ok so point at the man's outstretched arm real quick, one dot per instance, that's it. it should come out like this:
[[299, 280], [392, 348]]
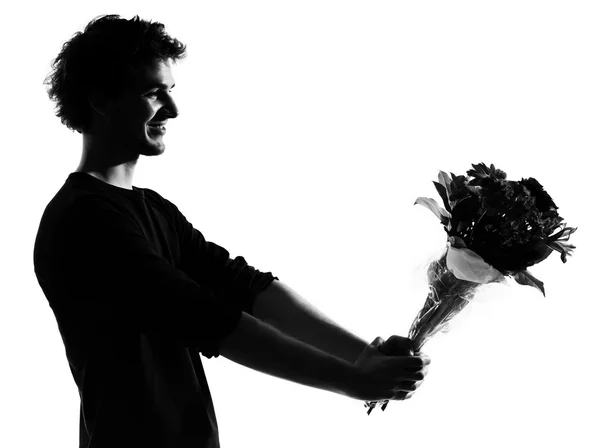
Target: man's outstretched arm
[[283, 308], [259, 346]]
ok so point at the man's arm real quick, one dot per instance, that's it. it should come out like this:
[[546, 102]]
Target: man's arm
[[283, 308], [260, 346]]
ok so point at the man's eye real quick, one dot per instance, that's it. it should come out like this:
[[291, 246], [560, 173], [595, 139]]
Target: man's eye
[[155, 93]]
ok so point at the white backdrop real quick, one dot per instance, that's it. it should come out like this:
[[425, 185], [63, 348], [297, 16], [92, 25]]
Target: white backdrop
[[306, 132]]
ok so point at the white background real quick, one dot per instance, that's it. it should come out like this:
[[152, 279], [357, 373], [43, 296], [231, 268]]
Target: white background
[[306, 132]]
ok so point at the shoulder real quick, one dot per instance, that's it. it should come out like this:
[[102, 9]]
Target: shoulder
[[159, 201], [68, 206]]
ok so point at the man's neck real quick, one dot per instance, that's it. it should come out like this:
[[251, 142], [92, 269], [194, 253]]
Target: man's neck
[[106, 161], [118, 176]]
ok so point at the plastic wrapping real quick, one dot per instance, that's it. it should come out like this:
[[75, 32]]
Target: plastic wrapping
[[448, 295], [512, 225]]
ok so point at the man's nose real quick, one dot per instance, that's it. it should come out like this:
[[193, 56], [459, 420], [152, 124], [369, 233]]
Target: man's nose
[[171, 107]]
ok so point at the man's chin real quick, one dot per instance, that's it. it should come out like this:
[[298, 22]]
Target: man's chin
[[152, 147], [153, 151]]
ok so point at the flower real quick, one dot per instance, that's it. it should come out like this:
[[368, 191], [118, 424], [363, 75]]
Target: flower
[[505, 225], [495, 228], [543, 201]]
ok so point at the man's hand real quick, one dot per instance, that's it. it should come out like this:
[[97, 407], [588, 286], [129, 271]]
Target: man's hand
[[397, 346], [401, 346], [383, 377]]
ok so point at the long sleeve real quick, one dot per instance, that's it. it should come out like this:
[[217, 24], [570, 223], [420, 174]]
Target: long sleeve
[[138, 295], [210, 264], [127, 282]]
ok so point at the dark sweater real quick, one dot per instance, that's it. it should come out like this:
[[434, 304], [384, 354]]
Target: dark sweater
[[138, 293]]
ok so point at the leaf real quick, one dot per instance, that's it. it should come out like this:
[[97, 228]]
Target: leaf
[[526, 279], [548, 250], [563, 248], [567, 231], [444, 194], [444, 179], [564, 234], [438, 211]]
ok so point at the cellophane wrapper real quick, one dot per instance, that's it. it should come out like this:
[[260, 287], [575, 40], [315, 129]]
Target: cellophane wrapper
[[448, 295]]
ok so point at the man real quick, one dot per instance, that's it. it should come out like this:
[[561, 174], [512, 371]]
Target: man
[[137, 291]]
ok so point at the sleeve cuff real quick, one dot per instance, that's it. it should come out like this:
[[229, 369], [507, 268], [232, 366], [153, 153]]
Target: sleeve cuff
[[213, 348]]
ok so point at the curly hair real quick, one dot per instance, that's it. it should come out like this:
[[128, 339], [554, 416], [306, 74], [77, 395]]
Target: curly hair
[[101, 60]]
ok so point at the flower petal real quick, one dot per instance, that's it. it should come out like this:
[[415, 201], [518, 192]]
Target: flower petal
[[467, 265]]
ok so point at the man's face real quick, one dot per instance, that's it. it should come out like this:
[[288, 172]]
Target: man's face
[[147, 102]]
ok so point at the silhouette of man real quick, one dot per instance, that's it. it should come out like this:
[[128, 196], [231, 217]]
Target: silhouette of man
[[138, 293]]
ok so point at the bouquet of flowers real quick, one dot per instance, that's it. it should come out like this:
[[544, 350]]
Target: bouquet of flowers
[[495, 228]]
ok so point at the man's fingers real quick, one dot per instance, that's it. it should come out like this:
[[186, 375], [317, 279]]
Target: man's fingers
[[397, 345], [412, 376], [403, 386], [408, 369], [402, 395], [378, 341], [409, 361], [403, 379], [405, 390], [409, 386]]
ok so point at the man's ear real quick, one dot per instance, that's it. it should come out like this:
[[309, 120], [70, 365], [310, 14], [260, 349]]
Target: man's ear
[[102, 104], [98, 103]]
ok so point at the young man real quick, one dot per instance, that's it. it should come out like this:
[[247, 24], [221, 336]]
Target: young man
[[137, 291]]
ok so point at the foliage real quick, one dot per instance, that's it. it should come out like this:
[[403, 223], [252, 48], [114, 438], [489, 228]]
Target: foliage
[[511, 225]]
